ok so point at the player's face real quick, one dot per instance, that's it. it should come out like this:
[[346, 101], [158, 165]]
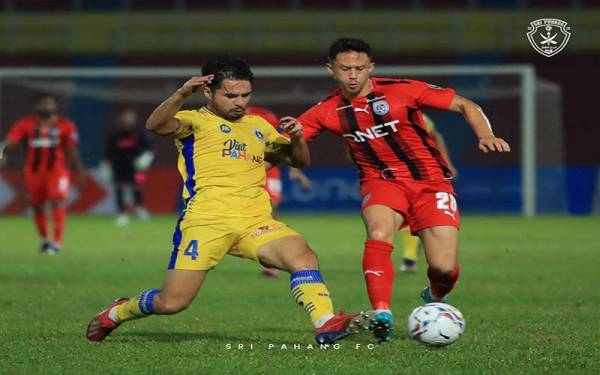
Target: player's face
[[231, 99], [351, 70], [46, 107], [128, 119]]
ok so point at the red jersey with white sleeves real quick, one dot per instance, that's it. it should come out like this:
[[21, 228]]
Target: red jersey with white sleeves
[[46, 142], [385, 129]]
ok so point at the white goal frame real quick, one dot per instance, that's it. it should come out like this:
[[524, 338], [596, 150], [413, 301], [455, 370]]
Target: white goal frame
[[526, 74]]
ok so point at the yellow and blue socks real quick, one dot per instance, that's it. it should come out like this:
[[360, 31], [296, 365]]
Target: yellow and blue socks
[[310, 292], [138, 307]]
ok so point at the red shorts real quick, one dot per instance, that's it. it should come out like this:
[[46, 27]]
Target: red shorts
[[423, 204], [273, 185], [47, 186]]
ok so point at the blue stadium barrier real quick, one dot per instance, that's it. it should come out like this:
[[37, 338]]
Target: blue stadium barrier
[[494, 190]]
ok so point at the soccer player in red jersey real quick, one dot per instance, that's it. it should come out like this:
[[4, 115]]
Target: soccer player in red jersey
[[50, 139], [404, 178], [273, 184]]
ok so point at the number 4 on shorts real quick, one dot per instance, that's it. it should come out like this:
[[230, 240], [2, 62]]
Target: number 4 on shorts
[[192, 249]]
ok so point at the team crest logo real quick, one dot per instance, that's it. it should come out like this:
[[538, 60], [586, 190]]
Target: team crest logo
[[548, 36], [259, 134], [366, 199], [381, 107], [225, 128]]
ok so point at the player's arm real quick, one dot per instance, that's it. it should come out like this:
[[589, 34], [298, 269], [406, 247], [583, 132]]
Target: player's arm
[[162, 121], [15, 136], [298, 154], [76, 164], [6, 147], [480, 124], [440, 144]]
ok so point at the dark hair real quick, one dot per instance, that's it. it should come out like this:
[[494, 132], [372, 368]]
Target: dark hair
[[226, 67], [346, 45], [38, 98]]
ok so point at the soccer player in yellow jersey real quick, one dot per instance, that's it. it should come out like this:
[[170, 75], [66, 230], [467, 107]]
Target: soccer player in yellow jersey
[[222, 158], [411, 243]]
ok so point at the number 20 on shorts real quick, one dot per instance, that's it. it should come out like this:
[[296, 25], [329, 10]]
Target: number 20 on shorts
[[445, 201]]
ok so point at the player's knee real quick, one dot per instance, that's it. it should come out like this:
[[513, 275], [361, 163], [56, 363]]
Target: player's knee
[[306, 260], [380, 233]]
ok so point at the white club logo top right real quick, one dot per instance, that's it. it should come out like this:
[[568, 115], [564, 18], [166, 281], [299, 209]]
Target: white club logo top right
[[548, 36]]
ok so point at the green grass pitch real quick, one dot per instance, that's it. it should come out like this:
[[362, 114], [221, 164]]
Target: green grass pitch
[[529, 292]]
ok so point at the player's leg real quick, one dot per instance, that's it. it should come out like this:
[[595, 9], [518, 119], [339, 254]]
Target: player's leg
[[178, 291], [197, 249], [138, 200], [122, 216], [382, 224], [273, 187], [274, 244], [58, 191], [441, 250], [292, 254], [37, 194], [383, 203], [410, 245], [271, 271], [437, 220], [41, 222]]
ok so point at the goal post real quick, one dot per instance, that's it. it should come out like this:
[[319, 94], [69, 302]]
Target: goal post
[[285, 86]]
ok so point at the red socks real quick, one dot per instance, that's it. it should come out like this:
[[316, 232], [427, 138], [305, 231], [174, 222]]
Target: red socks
[[379, 273], [442, 283], [59, 215], [39, 217]]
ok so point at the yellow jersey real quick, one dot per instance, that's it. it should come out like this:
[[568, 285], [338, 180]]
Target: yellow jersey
[[222, 163]]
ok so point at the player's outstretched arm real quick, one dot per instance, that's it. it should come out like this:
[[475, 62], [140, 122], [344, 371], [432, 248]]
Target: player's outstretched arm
[[475, 117], [162, 121], [6, 147], [299, 155], [76, 163]]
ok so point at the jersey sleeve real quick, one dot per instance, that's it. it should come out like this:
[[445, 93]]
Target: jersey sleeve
[[71, 135], [311, 126], [273, 139], [186, 119], [431, 96], [17, 133]]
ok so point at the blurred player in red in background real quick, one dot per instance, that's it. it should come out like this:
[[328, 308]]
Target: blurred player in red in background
[[273, 185], [410, 243], [404, 178], [50, 139]]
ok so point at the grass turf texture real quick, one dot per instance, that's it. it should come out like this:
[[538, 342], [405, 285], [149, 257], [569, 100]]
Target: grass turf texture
[[529, 292]]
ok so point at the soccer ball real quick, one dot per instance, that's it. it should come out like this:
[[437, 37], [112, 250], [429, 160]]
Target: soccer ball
[[436, 324]]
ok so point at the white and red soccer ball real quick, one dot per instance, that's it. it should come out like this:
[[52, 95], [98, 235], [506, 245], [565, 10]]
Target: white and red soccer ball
[[436, 324]]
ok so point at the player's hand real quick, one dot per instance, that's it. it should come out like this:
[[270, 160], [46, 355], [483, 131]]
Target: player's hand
[[194, 84], [296, 174], [453, 170], [291, 126], [493, 144], [80, 182]]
